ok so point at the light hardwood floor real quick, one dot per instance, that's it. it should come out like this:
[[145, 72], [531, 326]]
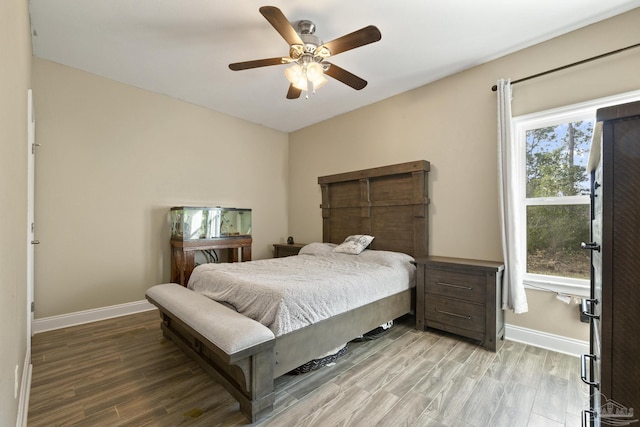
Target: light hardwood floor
[[122, 372]]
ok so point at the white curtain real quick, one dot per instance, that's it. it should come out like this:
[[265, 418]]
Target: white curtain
[[511, 197]]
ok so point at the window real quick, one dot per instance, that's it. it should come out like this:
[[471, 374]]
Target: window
[[557, 213], [553, 177]]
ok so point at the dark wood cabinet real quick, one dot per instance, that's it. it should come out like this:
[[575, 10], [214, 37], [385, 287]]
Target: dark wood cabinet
[[183, 254], [286, 249], [612, 368], [461, 296]]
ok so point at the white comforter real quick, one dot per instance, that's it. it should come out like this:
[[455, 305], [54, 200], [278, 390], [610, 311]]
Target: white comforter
[[285, 294]]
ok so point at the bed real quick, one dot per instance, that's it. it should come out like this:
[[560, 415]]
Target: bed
[[245, 356]]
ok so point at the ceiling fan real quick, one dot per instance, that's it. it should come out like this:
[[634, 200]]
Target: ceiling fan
[[308, 54]]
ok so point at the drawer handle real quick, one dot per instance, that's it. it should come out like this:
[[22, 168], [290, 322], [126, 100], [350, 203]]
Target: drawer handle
[[583, 370], [586, 308], [468, 288], [468, 317]]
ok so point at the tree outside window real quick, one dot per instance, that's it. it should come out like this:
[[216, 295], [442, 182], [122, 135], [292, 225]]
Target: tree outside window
[[557, 199]]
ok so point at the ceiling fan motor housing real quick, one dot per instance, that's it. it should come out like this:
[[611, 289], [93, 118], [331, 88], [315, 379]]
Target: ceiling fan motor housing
[[306, 27], [309, 49], [306, 30]]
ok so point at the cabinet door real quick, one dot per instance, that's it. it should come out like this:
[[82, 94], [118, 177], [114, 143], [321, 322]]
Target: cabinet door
[[624, 290]]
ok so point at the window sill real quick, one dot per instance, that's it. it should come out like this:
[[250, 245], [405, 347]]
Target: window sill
[[580, 289]]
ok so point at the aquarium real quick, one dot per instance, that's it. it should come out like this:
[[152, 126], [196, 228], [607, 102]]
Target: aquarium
[[193, 223]]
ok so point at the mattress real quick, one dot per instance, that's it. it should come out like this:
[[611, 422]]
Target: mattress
[[285, 294]]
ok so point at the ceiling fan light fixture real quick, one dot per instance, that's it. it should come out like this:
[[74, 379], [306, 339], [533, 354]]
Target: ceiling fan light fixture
[[319, 83], [310, 74], [315, 73], [294, 74]]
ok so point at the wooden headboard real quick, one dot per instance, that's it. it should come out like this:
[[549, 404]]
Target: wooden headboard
[[389, 202]]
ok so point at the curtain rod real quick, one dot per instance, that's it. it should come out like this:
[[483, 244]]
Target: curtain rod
[[613, 52]]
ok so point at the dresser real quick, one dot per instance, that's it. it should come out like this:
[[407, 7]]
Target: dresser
[[612, 368], [461, 296]]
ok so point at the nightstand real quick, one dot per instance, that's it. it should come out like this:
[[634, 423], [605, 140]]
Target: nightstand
[[284, 249], [461, 296]]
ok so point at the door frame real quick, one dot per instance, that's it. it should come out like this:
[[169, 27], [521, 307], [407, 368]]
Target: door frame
[[31, 242]]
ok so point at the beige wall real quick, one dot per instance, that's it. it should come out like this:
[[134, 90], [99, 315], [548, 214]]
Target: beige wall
[[113, 160], [15, 72], [452, 123]]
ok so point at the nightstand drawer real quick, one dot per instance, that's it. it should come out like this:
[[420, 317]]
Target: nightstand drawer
[[459, 314], [281, 250], [453, 284]]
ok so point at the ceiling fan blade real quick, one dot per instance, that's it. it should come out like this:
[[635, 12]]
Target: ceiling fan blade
[[358, 38], [237, 66], [293, 93], [345, 77], [282, 25]]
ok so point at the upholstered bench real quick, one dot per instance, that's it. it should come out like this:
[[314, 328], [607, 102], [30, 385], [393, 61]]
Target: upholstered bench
[[234, 343]]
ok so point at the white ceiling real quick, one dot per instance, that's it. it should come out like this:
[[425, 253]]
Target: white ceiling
[[182, 48]]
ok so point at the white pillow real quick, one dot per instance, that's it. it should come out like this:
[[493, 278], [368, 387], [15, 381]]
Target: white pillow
[[354, 244], [316, 248]]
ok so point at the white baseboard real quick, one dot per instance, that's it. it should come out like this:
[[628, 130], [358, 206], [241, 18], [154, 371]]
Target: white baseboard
[[25, 392], [570, 346], [88, 316], [533, 337]]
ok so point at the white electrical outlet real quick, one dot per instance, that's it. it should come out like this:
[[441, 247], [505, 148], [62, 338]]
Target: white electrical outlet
[[16, 384]]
